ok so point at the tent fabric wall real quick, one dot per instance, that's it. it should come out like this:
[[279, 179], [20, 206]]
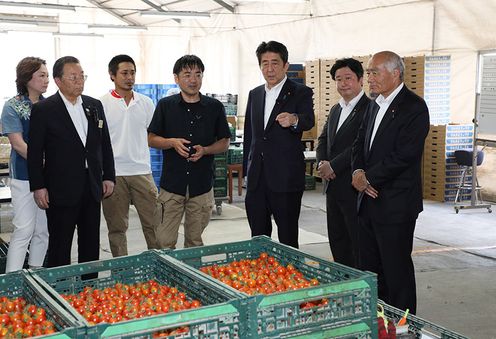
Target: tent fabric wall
[[359, 33], [319, 29], [346, 28]]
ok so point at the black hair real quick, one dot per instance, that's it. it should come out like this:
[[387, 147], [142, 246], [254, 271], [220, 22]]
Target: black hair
[[58, 66], [187, 61], [113, 65], [272, 46], [353, 64], [24, 72]]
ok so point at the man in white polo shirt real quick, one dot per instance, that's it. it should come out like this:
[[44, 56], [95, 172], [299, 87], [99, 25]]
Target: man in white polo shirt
[[128, 115]]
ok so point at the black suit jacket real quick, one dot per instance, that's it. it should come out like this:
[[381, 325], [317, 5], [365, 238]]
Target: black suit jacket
[[56, 155], [281, 148], [392, 164], [335, 147]]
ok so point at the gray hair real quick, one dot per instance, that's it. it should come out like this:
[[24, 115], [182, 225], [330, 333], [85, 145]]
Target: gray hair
[[394, 61]]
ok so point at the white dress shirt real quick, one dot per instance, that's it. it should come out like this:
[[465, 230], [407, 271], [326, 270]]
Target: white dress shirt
[[76, 112], [384, 104], [128, 132], [347, 108], [271, 95]]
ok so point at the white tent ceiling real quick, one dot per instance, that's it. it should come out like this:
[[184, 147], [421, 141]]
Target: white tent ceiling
[[227, 39], [202, 16]]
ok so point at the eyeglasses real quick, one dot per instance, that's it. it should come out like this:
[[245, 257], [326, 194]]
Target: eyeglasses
[[75, 78]]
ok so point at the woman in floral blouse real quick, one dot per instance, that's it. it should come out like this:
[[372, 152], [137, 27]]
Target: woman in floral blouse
[[30, 225]]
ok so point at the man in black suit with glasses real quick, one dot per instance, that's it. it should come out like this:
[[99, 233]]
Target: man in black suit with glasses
[[70, 164]]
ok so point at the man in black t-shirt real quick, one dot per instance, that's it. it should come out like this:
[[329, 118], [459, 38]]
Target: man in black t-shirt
[[190, 128]]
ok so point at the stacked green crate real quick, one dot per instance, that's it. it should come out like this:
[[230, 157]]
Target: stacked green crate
[[220, 175], [232, 130], [230, 102], [309, 182], [235, 155]]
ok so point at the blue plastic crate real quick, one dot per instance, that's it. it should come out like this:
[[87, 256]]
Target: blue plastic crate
[[150, 90], [156, 167], [156, 179], [163, 90], [155, 151]]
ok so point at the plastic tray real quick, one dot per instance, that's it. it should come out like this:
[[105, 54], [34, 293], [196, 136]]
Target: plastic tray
[[420, 327]]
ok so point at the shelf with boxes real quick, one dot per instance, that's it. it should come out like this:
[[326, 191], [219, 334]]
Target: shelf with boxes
[[441, 173], [427, 76]]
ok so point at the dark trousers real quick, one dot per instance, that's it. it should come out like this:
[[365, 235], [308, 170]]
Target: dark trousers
[[342, 228], [261, 203], [386, 249], [63, 220]]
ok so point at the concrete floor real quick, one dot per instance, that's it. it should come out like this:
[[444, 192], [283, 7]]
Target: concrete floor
[[454, 256]]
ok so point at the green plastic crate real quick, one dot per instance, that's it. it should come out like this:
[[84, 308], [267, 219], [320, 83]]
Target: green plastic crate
[[220, 182], [309, 182], [220, 158], [354, 331], [220, 187], [231, 109], [217, 318], [420, 327], [235, 155], [220, 192], [352, 293], [20, 284], [220, 172]]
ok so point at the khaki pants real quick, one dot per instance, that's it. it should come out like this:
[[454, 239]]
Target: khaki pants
[[197, 211], [139, 190]]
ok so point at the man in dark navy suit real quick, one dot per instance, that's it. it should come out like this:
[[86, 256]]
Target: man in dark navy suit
[[70, 164], [334, 160], [276, 115], [386, 160]]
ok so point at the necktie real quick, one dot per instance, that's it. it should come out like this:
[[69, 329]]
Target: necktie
[[370, 126]]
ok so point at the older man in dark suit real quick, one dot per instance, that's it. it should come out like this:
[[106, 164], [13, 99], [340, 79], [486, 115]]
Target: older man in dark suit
[[276, 115], [70, 164], [386, 160], [334, 160]]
